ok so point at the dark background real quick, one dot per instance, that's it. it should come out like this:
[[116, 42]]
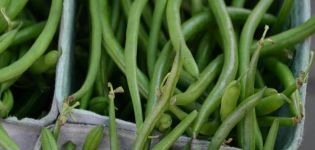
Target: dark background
[[309, 129]]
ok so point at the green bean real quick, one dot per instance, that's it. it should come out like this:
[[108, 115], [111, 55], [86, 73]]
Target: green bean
[[259, 142], [95, 49], [13, 9], [28, 33], [154, 34], [7, 39], [180, 114], [160, 68], [170, 138], [85, 99], [47, 140], [167, 91], [131, 56], [229, 99], [291, 89], [112, 118], [238, 3], [282, 16], [228, 124], [288, 38], [94, 138], [5, 58], [272, 136], [69, 146], [6, 103], [267, 121], [204, 51], [195, 90], [4, 3], [196, 6], [38, 48], [114, 49], [286, 78], [271, 103], [177, 37], [230, 64], [6, 141], [164, 122], [259, 81], [115, 14], [45, 62]]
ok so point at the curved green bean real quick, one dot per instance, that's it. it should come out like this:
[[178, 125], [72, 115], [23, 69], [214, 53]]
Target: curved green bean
[[238, 3], [164, 122], [272, 136], [229, 99], [131, 56], [12, 11], [177, 37], [47, 140], [196, 89], [167, 91], [271, 103], [28, 33], [171, 137], [38, 48], [204, 51], [267, 121], [6, 103], [236, 116], [154, 34], [282, 16], [230, 64], [45, 62]]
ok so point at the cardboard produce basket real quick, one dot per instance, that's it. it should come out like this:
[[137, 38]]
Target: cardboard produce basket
[[289, 137]]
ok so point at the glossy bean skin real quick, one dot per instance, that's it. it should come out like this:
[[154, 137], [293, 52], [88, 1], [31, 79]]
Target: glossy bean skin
[[47, 140], [267, 121], [28, 33], [69, 146], [6, 103], [171, 137], [236, 116], [282, 17], [230, 64], [38, 48], [230, 99], [94, 138], [271, 103]]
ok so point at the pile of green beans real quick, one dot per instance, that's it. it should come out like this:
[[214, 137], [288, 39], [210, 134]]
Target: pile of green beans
[[216, 70], [28, 57], [209, 70]]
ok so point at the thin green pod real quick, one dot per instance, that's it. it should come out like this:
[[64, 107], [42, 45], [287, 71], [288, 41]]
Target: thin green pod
[[12, 11], [6, 39], [282, 16], [45, 62], [69, 146], [47, 140], [287, 38], [99, 104], [131, 57], [284, 74], [230, 122], [93, 138], [159, 10], [171, 137], [85, 100], [196, 89], [167, 92], [267, 121], [229, 99], [113, 139], [160, 70], [28, 33], [230, 64], [259, 142], [238, 3], [272, 136], [6, 141], [204, 51], [271, 103], [6, 103], [4, 3], [38, 48], [177, 37], [95, 48]]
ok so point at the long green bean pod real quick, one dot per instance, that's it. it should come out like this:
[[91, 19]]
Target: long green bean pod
[[167, 91], [272, 136], [282, 16], [94, 138], [7, 39], [131, 56], [154, 34], [229, 66], [230, 122], [267, 121], [13, 10], [171, 137], [47, 140], [28, 33], [177, 37], [38, 48], [6, 103]]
